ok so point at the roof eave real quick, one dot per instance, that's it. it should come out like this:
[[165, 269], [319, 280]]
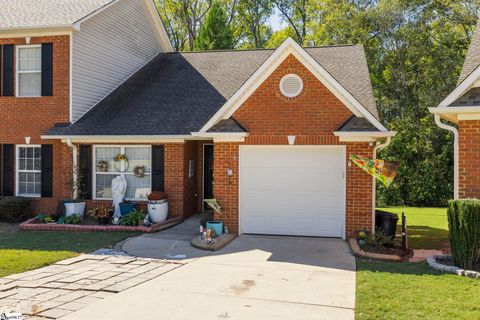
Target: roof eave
[[37, 31], [363, 136]]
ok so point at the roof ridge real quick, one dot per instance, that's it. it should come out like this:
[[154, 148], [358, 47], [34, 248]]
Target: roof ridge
[[262, 49]]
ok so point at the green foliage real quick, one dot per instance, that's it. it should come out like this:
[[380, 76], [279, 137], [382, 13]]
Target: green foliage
[[379, 239], [134, 218], [14, 209], [215, 32], [73, 219], [464, 235]]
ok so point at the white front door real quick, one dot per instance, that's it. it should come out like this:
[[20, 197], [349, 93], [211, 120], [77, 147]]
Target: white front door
[[292, 190]]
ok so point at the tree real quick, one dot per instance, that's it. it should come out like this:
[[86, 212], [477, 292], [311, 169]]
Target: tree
[[215, 32], [296, 14], [254, 15]]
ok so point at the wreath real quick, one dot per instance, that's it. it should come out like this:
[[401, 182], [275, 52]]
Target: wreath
[[102, 166], [118, 159], [139, 171]]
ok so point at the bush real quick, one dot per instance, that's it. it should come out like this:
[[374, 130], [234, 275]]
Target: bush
[[133, 219], [14, 209], [464, 231]]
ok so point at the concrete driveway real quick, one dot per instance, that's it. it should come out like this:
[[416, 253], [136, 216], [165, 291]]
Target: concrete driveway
[[254, 277]]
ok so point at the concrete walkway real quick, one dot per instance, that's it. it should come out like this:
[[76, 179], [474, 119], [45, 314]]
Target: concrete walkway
[[173, 243], [54, 291], [254, 277]]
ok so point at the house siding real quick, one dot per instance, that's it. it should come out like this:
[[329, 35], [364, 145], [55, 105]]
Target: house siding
[[109, 48], [312, 117], [32, 117], [469, 159]]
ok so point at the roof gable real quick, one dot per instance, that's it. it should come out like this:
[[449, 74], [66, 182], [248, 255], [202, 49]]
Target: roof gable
[[290, 47]]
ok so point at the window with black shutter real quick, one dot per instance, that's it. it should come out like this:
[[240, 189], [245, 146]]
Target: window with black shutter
[[158, 168]]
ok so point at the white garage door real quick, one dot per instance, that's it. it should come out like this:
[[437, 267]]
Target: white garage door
[[292, 190]]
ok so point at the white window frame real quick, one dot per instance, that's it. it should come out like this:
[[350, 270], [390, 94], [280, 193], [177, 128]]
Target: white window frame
[[17, 171], [17, 70], [122, 168]]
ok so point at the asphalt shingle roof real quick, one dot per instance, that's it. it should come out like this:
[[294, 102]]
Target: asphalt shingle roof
[[19, 14], [472, 60], [356, 124], [177, 93], [471, 98]]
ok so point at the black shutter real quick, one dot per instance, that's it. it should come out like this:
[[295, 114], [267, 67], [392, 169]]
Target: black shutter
[[7, 65], [86, 171], [7, 166], [158, 168], [47, 69], [47, 170], [1, 168], [1, 68]]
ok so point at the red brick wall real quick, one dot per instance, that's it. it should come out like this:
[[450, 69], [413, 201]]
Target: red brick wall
[[469, 158], [191, 183], [32, 117], [313, 116]]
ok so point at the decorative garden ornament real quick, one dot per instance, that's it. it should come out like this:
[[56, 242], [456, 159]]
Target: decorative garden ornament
[[119, 187]]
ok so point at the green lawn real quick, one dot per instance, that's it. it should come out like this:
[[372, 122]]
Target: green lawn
[[427, 227], [26, 250], [413, 290]]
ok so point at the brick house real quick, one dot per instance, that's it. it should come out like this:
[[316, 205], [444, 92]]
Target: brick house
[[461, 108], [267, 133]]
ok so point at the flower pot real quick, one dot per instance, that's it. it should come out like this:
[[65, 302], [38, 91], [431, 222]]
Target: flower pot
[[126, 208], [158, 211], [217, 225], [75, 208]]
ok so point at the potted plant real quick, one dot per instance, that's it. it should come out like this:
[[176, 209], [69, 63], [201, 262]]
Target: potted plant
[[102, 214], [126, 207], [157, 206]]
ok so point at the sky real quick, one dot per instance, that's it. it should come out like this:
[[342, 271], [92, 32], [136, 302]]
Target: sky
[[276, 21]]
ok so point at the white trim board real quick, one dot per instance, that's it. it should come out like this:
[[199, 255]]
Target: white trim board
[[460, 89], [289, 46]]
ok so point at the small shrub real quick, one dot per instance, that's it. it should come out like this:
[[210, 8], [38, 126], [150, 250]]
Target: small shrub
[[464, 231], [379, 239], [14, 209], [133, 219], [73, 219]]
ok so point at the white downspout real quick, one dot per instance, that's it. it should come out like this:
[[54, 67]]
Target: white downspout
[[374, 184], [456, 177], [75, 166]]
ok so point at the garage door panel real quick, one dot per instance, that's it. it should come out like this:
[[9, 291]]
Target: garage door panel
[[288, 202], [292, 190], [303, 179]]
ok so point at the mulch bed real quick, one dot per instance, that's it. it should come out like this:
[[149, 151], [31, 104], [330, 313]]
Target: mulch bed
[[33, 225], [395, 250]]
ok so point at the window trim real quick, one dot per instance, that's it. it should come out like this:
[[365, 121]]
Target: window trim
[[122, 149], [17, 171], [17, 71]]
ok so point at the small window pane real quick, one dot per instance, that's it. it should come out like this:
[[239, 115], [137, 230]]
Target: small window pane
[[29, 84]]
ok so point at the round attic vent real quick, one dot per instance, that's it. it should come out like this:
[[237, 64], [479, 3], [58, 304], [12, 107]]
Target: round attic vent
[[291, 85]]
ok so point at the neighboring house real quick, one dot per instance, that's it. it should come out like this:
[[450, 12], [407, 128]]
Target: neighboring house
[[267, 133], [58, 59], [462, 109]]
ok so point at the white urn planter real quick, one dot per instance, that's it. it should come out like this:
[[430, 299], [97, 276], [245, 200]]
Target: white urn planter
[[77, 208], [158, 211]]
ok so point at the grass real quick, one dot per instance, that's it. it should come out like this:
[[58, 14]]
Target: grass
[[413, 291], [26, 250], [427, 227]]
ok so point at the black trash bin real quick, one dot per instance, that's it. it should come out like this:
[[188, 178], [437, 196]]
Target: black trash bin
[[387, 222]]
